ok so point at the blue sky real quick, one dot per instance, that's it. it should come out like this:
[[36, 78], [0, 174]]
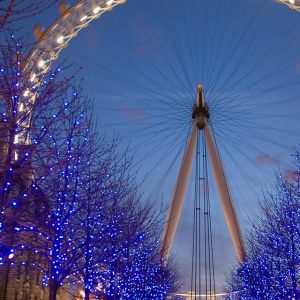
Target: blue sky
[[141, 64]]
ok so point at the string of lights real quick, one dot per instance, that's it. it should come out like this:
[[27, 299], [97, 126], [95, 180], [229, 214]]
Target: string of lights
[[294, 4]]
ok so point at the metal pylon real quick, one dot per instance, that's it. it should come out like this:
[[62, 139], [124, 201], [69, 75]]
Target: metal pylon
[[201, 122]]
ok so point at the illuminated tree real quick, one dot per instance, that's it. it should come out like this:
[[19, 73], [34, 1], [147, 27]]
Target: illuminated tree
[[62, 160], [70, 210], [131, 264], [20, 201], [105, 184], [121, 258], [271, 270], [144, 273]]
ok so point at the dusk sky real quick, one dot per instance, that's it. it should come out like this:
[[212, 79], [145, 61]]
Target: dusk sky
[[141, 64]]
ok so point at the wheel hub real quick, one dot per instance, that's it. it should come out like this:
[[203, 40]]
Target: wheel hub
[[200, 111]]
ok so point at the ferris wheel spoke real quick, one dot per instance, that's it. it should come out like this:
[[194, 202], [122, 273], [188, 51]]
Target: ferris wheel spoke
[[236, 160], [240, 142], [168, 86], [235, 48], [174, 43], [154, 90], [178, 149], [215, 76]]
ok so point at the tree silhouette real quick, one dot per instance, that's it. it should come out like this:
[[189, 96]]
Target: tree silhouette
[[12, 11]]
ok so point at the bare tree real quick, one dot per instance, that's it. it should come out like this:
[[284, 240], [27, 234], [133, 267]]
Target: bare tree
[[12, 11]]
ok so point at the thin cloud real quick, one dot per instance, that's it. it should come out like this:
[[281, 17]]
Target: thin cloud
[[266, 159], [132, 113]]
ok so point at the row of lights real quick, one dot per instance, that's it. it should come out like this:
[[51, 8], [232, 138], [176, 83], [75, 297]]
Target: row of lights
[[295, 4], [292, 2], [60, 39], [96, 10]]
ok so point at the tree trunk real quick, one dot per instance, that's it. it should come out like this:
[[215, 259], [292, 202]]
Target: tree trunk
[[86, 294], [53, 289]]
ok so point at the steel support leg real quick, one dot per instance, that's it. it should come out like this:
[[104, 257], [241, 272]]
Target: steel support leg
[[179, 195], [225, 194]]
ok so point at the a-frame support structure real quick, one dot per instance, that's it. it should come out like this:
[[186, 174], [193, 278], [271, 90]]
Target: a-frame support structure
[[201, 122]]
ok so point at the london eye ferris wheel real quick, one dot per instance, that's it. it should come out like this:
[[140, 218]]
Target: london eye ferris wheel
[[218, 81]]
